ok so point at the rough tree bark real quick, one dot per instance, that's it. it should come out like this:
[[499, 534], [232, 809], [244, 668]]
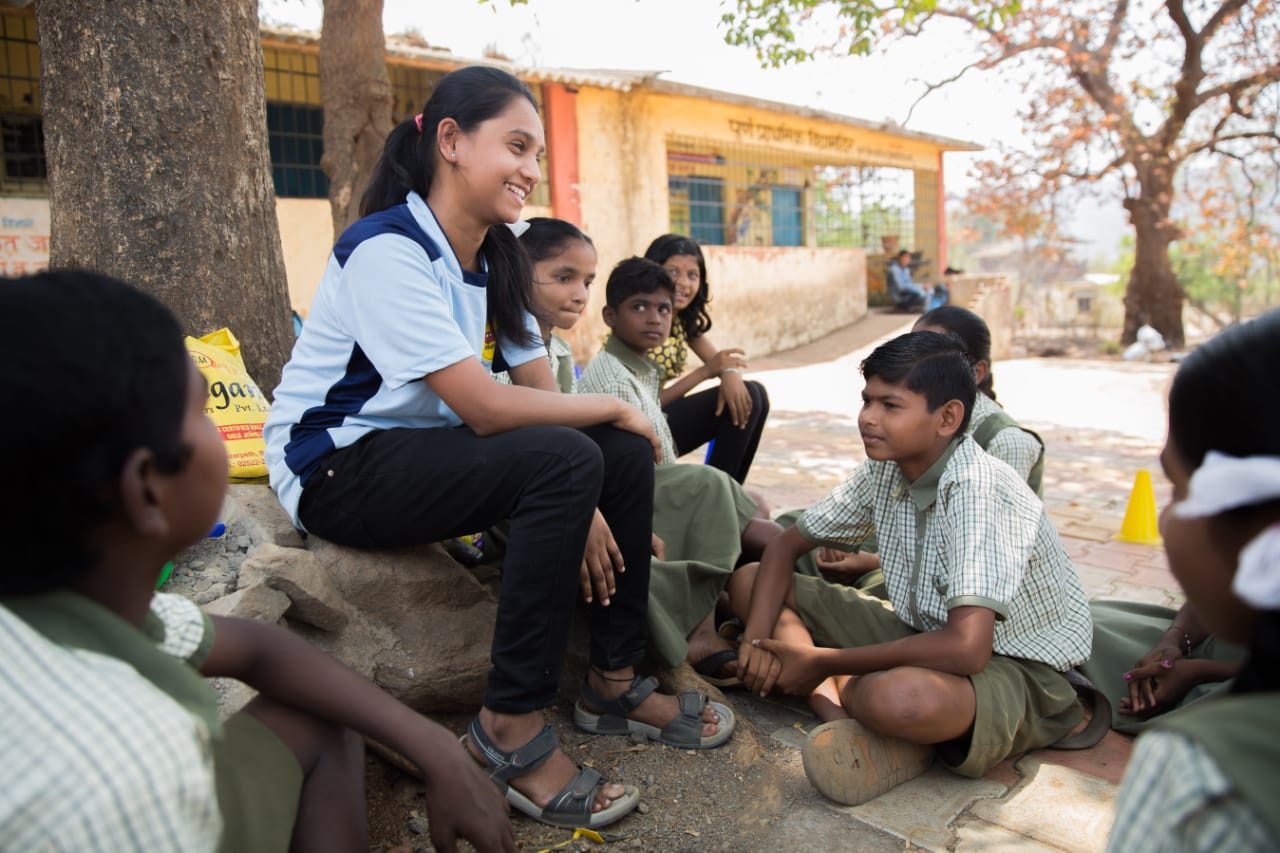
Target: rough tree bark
[[356, 92], [1153, 296], [159, 173]]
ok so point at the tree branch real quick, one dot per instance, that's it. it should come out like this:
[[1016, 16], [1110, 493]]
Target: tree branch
[[1225, 12], [1212, 144]]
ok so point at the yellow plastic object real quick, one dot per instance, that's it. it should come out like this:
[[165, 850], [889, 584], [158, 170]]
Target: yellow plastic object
[[1141, 521], [580, 832], [235, 405]]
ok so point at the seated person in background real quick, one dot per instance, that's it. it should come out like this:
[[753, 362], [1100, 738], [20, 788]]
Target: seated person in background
[[1151, 662], [733, 414], [940, 294], [905, 293], [110, 734], [1205, 778], [705, 519], [987, 611]]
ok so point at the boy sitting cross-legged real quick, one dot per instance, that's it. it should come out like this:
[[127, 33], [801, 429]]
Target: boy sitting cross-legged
[[109, 734], [987, 610]]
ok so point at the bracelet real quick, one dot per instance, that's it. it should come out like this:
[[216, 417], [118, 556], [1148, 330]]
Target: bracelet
[[1185, 645], [731, 370]]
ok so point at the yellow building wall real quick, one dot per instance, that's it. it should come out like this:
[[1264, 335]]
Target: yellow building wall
[[765, 299]]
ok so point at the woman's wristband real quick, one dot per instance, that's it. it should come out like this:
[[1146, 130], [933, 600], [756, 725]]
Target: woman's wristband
[[731, 370]]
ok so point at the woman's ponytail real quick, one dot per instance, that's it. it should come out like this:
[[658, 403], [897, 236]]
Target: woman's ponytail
[[510, 280], [406, 164]]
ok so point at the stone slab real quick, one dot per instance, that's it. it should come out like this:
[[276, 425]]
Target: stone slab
[[975, 835], [921, 812], [1054, 805]]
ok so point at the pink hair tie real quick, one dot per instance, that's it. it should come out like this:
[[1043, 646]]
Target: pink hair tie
[[417, 120]]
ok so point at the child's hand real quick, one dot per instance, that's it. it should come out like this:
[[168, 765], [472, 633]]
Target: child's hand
[[657, 546], [1158, 686], [632, 419], [735, 397], [602, 558], [758, 668], [845, 566], [801, 667], [732, 358], [463, 803]]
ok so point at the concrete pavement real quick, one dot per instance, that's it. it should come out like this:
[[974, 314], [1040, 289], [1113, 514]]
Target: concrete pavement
[[1102, 421]]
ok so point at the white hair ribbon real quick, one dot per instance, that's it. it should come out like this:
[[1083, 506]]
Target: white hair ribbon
[[518, 227], [1225, 482], [1257, 580]]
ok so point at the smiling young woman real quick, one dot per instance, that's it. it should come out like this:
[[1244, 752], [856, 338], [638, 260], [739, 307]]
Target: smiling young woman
[[388, 429]]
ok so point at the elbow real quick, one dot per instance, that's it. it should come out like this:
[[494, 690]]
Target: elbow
[[971, 660]]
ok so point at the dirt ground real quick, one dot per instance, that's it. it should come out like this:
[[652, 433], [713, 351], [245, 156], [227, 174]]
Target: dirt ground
[[729, 798]]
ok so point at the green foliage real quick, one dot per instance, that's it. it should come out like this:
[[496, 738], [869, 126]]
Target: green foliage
[[771, 27]]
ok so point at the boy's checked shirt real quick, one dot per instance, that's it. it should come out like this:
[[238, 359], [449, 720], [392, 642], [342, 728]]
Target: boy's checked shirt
[[969, 531], [616, 370]]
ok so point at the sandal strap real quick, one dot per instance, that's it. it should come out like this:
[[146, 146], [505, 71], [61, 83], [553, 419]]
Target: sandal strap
[[625, 703], [685, 729], [505, 766], [577, 798]]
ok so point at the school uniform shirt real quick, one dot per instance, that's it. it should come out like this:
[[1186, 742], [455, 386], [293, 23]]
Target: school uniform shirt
[[105, 730], [393, 306], [560, 358], [1174, 796], [1018, 448], [968, 531], [618, 371]]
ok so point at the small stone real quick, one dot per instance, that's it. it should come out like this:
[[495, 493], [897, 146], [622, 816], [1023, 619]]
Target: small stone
[[638, 737], [418, 825], [243, 542], [214, 592], [643, 807], [195, 564], [648, 780]]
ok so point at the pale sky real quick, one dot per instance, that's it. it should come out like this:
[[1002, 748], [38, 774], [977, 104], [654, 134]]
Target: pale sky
[[684, 39]]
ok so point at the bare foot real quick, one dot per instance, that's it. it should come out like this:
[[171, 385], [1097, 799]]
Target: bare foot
[[511, 731], [825, 701], [704, 641], [657, 709]]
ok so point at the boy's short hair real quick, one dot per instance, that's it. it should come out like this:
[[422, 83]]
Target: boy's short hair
[[929, 364], [636, 275], [96, 370]]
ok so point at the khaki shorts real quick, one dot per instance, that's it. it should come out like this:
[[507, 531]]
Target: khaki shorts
[[1021, 704], [259, 781]]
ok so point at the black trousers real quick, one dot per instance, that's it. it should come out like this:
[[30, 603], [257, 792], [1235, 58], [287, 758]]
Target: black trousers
[[402, 487], [693, 423]]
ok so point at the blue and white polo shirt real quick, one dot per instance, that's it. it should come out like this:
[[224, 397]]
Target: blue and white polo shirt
[[394, 305]]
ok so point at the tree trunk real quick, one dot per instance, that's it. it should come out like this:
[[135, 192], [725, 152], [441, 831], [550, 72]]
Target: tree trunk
[[156, 139], [1153, 296], [357, 99]]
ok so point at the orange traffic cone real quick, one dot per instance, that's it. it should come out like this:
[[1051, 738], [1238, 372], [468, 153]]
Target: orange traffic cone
[[1141, 524]]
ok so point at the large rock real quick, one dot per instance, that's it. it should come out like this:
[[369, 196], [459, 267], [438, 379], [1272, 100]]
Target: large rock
[[419, 624], [253, 511], [258, 602], [314, 599]]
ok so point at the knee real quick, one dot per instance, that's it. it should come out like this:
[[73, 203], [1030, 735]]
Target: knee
[[576, 455], [759, 398], [624, 451], [892, 700], [739, 588]]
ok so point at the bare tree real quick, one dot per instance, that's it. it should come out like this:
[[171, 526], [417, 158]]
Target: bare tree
[[159, 173], [356, 93], [1120, 90]]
